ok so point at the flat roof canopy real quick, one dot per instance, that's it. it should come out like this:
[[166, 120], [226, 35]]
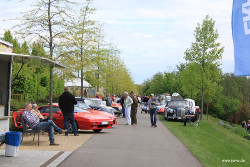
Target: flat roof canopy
[[27, 59]]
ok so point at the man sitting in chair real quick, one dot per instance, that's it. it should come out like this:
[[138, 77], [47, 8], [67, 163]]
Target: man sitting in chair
[[32, 119], [190, 117]]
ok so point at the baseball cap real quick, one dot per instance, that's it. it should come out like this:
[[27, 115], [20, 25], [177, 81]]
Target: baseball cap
[[152, 94]]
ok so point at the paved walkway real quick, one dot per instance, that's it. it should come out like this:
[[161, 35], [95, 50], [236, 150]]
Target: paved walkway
[[133, 146], [31, 158]]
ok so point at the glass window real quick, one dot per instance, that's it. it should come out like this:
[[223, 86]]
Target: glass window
[[44, 109]]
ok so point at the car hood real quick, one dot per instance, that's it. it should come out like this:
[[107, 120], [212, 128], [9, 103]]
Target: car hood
[[93, 117], [101, 113]]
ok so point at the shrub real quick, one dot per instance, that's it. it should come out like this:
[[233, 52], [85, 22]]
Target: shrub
[[16, 105]]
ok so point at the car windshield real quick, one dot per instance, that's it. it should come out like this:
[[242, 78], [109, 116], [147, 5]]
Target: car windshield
[[88, 102], [97, 102], [77, 110], [82, 105], [177, 104]]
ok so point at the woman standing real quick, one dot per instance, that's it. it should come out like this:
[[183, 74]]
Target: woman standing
[[127, 105]]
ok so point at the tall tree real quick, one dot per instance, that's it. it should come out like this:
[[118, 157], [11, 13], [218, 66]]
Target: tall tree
[[82, 31], [206, 54], [48, 21]]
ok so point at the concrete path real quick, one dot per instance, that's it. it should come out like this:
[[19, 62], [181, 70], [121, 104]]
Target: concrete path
[[28, 158], [133, 146]]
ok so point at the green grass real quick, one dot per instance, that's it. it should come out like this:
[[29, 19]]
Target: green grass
[[211, 143]]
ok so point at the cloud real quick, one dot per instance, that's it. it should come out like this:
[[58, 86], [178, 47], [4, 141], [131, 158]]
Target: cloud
[[152, 33]]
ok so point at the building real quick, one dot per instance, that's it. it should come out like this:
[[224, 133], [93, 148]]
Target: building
[[75, 87], [6, 60]]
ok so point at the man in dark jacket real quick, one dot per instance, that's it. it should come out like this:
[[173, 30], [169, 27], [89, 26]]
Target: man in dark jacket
[[134, 108], [66, 104], [122, 103]]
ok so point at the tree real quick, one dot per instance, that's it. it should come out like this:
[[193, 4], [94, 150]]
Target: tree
[[7, 36], [47, 21], [206, 54]]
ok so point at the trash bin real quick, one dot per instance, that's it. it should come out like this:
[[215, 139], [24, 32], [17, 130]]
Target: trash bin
[[13, 141]]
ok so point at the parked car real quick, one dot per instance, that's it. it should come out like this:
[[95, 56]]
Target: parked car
[[85, 120], [84, 106], [99, 102], [117, 106], [160, 109], [176, 109]]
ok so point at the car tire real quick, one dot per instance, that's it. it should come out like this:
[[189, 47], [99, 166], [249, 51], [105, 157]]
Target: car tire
[[97, 130], [70, 129]]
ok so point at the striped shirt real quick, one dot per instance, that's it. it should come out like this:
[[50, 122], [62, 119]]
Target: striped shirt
[[31, 119]]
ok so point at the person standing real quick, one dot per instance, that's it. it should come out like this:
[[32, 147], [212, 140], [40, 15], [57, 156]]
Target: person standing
[[98, 96], [134, 108], [127, 105], [152, 103], [109, 101], [122, 103], [66, 104]]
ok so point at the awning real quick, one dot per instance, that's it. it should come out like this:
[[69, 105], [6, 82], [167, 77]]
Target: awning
[[27, 59], [77, 83]]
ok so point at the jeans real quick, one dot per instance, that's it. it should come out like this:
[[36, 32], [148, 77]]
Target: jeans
[[123, 112], [153, 118], [127, 114], [191, 119], [69, 117], [50, 126]]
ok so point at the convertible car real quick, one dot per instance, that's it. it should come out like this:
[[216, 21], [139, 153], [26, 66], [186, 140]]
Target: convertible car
[[85, 120]]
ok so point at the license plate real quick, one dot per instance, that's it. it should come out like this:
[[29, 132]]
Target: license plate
[[104, 123]]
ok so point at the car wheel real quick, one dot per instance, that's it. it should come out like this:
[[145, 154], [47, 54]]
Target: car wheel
[[70, 129], [97, 130]]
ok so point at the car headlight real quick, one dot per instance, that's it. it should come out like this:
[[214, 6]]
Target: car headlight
[[170, 110]]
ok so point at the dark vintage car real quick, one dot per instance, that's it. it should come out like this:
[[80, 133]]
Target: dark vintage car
[[176, 109]]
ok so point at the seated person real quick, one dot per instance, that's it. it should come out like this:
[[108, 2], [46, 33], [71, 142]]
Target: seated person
[[37, 112], [248, 126], [244, 125], [190, 117], [33, 121]]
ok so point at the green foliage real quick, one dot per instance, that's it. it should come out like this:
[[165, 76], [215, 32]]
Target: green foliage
[[16, 105], [8, 37], [224, 106], [160, 83], [204, 55], [31, 82]]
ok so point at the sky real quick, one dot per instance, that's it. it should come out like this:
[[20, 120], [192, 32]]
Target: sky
[[152, 35]]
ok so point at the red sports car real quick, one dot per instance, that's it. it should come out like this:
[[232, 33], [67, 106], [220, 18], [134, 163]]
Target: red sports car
[[85, 120], [84, 106]]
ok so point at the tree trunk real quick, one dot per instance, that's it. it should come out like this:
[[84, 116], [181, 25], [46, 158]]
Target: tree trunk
[[51, 57], [202, 102], [51, 94]]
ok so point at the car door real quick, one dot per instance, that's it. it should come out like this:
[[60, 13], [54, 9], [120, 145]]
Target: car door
[[58, 116]]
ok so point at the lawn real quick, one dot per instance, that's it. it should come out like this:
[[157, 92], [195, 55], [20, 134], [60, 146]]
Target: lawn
[[211, 143]]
